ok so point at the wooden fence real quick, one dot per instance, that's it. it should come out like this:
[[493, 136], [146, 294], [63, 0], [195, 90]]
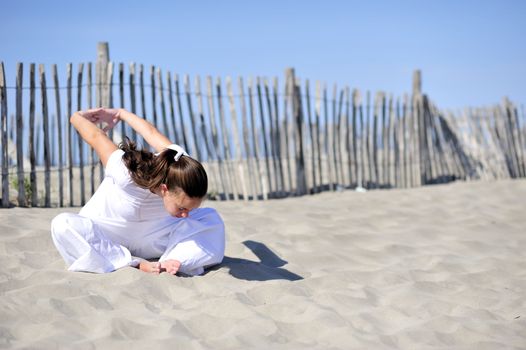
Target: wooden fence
[[258, 138]]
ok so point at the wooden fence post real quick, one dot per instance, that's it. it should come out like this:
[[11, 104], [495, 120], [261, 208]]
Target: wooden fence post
[[226, 142], [109, 97], [182, 125], [202, 127], [367, 147], [173, 122], [384, 140], [45, 122], [391, 140], [143, 102], [196, 150], [133, 103], [419, 136], [407, 132], [272, 139], [319, 144], [19, 135], [223, 172], [284, 142], [153, 96], [266, 153], [520, 141], [351, 143], [301, 184], [522, 124], [256, 149], [238, 156], [164, 115], [69, 136], [513, 135], [326, 139], [3, 114], [252, 178], [277, 137], [121, 95], [79, 139], [337, 143], [32, 160], [399, 144], [417, 82], [357, 107], [333, 137], [310, 123], [378, 102], [162, 104], [92, 158], [103, 58]]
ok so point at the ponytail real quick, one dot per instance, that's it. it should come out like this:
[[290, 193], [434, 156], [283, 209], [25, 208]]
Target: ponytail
[[150, 172]]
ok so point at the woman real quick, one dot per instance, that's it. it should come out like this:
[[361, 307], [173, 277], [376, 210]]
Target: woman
[[147, 206]]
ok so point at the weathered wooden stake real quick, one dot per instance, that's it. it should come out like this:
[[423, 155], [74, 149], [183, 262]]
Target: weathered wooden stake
[[45, 122], [238, 157], [79, 139], [223, 173], [19, 136], [32, 160], [69, 135], [5, 159]]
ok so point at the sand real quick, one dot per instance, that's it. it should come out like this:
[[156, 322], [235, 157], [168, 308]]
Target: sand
[[438, 267]]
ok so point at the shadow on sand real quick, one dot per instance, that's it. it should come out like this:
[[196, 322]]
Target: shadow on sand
[[268, 268]]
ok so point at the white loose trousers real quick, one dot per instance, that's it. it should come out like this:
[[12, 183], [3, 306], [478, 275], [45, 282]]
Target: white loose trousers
[[85, 245]]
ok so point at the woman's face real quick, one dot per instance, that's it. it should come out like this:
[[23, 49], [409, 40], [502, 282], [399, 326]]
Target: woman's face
[[178, 204]]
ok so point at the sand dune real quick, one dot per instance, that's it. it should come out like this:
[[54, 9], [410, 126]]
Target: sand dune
[[440, 267]]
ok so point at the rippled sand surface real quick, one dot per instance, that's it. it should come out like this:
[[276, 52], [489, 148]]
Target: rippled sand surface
[[439, 267]]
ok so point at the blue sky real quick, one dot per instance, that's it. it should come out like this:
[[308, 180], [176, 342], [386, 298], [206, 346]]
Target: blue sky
[[471, 53]]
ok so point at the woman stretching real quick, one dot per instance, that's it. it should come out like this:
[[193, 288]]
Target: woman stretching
[[146, 207]]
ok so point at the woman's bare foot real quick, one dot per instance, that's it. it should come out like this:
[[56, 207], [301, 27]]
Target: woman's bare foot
[[170, 266], [150, 266]]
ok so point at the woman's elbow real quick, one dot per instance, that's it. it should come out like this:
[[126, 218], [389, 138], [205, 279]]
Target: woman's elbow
[[74, 117]]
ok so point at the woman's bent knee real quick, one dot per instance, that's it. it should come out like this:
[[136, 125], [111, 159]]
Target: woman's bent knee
[[61, 223]]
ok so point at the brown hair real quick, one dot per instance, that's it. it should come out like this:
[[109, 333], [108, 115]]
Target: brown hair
[[150, 171]]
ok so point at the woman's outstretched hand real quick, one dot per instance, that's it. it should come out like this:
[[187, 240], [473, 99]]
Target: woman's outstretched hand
[[108, 117]]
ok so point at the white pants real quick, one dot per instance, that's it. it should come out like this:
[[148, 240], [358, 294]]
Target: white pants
[[87, 245]]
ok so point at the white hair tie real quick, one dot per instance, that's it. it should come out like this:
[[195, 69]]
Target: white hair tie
[[180, 151]]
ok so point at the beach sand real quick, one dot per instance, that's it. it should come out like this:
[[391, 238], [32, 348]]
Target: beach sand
[[437, 267]]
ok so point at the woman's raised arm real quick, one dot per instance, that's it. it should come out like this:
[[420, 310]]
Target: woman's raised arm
[[84, 122], [149, 132]]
